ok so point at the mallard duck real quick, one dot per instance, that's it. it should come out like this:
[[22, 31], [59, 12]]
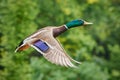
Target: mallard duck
[[45, 42]]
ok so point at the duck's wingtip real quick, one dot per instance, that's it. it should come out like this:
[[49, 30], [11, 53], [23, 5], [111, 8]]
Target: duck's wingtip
[[76, 61], [15, 51]]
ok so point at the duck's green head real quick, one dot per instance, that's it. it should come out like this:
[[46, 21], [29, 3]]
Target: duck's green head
[[76, 23]]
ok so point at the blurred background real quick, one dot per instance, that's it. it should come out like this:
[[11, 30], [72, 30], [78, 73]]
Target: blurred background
[[96, 46]]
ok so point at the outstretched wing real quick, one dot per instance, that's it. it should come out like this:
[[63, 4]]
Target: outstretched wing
[[55, 53]]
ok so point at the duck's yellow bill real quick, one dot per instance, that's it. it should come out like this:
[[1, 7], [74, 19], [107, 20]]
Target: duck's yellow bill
[[87, 23]]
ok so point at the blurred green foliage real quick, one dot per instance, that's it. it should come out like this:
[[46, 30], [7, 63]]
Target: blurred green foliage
[[97, 46]]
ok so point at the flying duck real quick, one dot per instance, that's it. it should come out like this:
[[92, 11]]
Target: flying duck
[[45, 42]]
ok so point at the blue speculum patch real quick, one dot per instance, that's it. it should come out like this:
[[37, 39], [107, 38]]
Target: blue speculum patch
[[41, 45]]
